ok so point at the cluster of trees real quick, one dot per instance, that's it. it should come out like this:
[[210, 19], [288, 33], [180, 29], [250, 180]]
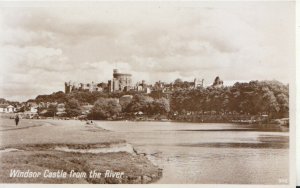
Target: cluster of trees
[[72, 107], [80, 96], [73, 101], [48, 112], [255, 97], [148, 105], [4, 101], [105, 108], [265, 97], [178, 83], [106, 105]]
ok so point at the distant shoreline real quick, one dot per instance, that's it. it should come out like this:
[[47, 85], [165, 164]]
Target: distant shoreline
[[145, 119], [276, 125]]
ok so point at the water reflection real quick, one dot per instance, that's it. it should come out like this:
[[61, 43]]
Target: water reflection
[[210, 153]]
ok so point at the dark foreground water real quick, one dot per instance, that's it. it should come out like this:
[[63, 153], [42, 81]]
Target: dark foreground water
[[210, 153]]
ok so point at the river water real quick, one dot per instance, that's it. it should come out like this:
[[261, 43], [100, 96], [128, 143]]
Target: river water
[[210, 153]]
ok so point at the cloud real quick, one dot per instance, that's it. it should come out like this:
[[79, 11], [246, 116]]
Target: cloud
[[42, 47]]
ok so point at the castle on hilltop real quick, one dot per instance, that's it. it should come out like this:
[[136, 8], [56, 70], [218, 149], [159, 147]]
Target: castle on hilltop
[[123, 82], [119, 82], [73, 86]]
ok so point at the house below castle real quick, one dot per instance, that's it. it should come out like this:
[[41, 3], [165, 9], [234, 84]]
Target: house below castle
[[6, 108]]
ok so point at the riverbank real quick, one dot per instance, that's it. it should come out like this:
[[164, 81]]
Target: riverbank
[[56, 145], [272, 126], [255, 120], [209, 153]]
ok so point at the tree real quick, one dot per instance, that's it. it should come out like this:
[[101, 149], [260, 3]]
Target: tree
[[140, 103], [105, 108], [178, 81], [283, 101], [161, 106], [72, 108], [50, 111], [24, 108], [271, 103]]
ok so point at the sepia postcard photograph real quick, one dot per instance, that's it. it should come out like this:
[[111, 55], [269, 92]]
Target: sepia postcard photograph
[[148, 92]]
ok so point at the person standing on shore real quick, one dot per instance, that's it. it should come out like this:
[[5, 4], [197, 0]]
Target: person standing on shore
[[17, 119]]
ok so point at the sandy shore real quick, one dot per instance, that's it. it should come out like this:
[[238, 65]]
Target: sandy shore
[[69, 146]]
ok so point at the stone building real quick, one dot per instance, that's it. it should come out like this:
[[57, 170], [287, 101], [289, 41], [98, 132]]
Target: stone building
[[218, 82], [198, 83], [120, 82], [69, 87], [142, 87]]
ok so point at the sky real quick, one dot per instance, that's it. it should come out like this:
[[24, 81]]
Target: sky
[[43, 45]]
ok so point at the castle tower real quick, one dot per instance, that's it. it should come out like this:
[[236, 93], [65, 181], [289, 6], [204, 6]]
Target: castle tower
[[120, 81], [218, 82], [198, 83], [68, 87]]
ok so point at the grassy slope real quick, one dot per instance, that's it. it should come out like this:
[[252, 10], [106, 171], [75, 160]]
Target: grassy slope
[[37, 139]]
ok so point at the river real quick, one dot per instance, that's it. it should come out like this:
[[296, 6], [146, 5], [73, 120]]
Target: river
[[209, 153]]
